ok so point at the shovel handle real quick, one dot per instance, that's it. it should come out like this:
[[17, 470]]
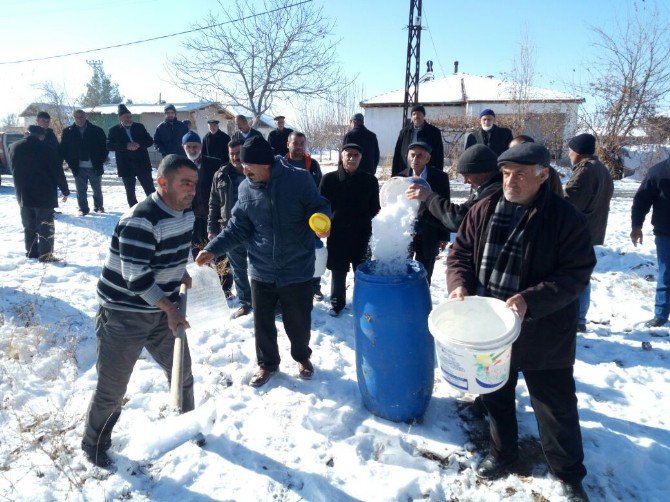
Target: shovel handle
[[177, 379]]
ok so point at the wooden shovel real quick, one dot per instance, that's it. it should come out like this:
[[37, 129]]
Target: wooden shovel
[[177, 380]]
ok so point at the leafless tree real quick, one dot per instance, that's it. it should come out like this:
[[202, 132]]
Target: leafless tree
[[255, 52], [628, 77], [60, 105], [521, 78], [8, 121]]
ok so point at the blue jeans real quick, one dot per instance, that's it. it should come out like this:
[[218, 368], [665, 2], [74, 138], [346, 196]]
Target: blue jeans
[[662, 308], [85, 176], [584, 302], [237, 257]]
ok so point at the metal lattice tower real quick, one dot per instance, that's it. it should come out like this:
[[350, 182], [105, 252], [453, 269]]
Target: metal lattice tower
[[413, 59]]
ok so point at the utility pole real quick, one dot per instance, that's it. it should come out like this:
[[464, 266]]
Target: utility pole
[[413, 59]]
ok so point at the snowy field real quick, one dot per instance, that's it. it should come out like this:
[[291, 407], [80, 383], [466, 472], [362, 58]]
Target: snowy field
[[304, 440]]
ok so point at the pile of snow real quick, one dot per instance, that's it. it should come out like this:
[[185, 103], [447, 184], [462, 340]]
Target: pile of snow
[[637, 159]]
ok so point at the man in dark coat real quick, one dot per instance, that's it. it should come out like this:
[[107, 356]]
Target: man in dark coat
[[168, 135], [654, 192], [479, 167], [222, 199], [531, 248], [354, 200], [271, 218], [130, 140], [244, 130], [430, 232], [278, 138], [418, 130], [207, 167], [489, 134], [84, 148], [590, 190], [215, 142], [44, 121], [367, 140], [37, 174]]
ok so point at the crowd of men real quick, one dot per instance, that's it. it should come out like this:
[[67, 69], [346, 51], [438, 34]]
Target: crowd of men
[[246, 202]]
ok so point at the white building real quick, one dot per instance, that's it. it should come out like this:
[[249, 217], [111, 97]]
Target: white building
[[461, 94]]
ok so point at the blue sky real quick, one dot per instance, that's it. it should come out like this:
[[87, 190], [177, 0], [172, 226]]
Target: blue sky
[[483, 36]]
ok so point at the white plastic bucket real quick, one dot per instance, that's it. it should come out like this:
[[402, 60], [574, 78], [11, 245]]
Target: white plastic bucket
[[473, 341], [396, 189]]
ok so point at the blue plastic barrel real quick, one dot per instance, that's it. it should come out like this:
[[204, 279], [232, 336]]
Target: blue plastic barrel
[[395, 352]]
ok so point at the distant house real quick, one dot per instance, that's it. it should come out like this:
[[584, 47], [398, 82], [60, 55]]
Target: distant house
[[466, 95], [59, 114]]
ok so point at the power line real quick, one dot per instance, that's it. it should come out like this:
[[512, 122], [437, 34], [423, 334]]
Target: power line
[[437, 56], [161, 37]]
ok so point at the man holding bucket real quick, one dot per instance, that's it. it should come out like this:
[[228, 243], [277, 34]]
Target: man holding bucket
[[530, 248]]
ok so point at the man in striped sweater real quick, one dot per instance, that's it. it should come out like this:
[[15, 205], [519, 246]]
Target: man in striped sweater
[[137, 291]]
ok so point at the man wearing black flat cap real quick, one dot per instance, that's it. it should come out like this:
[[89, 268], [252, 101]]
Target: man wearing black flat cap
[[169, 133], [418, 130], [489, 134], [215, 143], [354, 200], [130, 142], [37, 172], [271, 218], [530, 248], [590, 190], [367, 140], [430, 233], [278, 138], [479, 167]]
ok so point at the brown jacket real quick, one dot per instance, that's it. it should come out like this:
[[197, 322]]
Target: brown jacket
[[590, 190], [558, 260]]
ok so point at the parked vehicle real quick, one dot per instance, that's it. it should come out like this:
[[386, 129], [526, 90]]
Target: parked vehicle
[[6, 139]]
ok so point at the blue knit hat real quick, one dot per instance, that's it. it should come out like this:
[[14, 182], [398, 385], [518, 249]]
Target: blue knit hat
[[487, 111], [190, 137]]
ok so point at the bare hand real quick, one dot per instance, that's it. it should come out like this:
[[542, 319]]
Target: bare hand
[[187, 280], [132, 146], [211, 235], [443, 245], [175, 319], [203, 258], [322, 235], [418, 192], [636, 236], [458, 294], [518, 305]]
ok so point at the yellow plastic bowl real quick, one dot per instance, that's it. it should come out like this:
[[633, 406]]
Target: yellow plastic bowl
[[320, 223]]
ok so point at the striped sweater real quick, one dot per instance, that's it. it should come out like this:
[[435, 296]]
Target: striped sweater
[[147, 257]]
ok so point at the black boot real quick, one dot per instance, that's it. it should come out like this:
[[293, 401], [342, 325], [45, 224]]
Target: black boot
[[494, 468]]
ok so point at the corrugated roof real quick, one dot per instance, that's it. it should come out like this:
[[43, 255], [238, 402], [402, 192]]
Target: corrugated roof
[[463, 88]]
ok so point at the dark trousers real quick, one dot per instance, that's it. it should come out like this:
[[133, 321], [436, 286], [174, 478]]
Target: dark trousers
[[121, 337], [237, 260], [38, 230], [338, 286], [296, 308], [552, 395], [145, 179], [425, 252], [84, 176], [199, 239]]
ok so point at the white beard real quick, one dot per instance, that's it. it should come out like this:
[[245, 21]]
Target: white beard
[[191, 157], [487, 128]]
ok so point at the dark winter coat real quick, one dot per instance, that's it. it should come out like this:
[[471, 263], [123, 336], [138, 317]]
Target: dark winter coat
[[92, 146], [590, 190], [223, 197], [36, 173], [428, 134], [206, 170], [354, 201], [237, 135], [279, 140], [428, 228], [216, 145], [272, 221], [654, 192], [557, 265], [129, 163], [367, 140], [308, 163], [497, 139], [168, 136], [451, 215]]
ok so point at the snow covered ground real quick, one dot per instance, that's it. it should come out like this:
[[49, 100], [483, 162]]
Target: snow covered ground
[[303, 440]]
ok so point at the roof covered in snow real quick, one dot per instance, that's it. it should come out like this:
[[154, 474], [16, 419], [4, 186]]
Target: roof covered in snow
[[462, 88]]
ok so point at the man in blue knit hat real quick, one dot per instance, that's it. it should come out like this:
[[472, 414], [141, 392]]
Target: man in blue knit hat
[[489, 134]]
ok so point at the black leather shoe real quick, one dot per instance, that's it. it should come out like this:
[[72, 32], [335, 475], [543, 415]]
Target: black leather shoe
[[581, 328], [654, 323], [242, 311], [98, 457], [99, 209], [494, 468], [305, 370], [318, 296], [83, 213], [574, 492], [261, 377]]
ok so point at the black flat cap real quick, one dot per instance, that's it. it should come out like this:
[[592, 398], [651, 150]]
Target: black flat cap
[[421, 144], [36, 130], [526, 153], [212, 121], [352, 146], [477, 159]]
